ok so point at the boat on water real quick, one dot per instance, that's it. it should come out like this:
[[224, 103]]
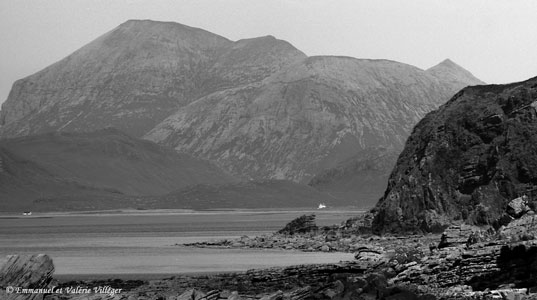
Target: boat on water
[[27, 213], [321, 206]]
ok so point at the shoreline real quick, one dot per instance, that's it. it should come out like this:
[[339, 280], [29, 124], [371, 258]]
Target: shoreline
[[66, 278], [157, 212]]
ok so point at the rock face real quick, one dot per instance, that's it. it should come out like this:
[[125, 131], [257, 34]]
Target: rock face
[[32, 272], [259, 108], [465, 161], [38, 170]]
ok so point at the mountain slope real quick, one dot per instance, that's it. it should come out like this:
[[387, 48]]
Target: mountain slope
[[359, 180], [251, 194], [259, 108], [105, 160], [306, 118], [134, 76], [26, 186], [465, 161]]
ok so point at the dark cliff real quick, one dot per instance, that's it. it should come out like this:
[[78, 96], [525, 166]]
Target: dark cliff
[[464, 161]]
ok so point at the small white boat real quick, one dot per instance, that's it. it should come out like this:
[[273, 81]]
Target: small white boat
[[27, 213], [321, 206]]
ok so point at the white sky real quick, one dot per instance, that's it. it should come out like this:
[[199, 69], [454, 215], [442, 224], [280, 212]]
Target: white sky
[[496, 40]]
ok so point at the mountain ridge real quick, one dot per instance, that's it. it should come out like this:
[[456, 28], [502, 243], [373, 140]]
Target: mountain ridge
[[259, 107], [335, 100]]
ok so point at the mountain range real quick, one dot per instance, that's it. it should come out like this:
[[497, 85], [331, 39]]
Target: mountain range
[[258, 108]]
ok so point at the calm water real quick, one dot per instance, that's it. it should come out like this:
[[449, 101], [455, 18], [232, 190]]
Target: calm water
[[127, 243]]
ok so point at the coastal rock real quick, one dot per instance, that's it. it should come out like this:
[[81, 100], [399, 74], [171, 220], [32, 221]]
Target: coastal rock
[[25, 271], [465, 161], [275, 296], [521, 229], [518, 206], [300, 225], [458, 235], [192, 294], [299, 294]]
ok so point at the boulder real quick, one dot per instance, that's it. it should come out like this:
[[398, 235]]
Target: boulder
[[518, 206], [191, 294], [521, 229], [25, 271], [299, 293]]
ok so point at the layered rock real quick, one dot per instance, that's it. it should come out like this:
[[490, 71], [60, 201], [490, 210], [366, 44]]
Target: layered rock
[[465, 161], [300, 225], [25, 272]]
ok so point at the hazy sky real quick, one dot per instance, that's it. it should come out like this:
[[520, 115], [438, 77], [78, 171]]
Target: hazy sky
[[496, 40]]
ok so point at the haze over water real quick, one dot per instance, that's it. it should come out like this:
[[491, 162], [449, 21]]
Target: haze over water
[[133, 245]]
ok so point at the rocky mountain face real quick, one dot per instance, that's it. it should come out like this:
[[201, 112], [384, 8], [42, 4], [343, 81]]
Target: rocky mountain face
[[305, 118], [134, 76], [465, 161], [259, 108], [105, 164]]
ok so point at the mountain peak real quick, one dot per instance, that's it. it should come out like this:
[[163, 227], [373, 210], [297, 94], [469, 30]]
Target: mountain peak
[[447, 63], [449, 71]]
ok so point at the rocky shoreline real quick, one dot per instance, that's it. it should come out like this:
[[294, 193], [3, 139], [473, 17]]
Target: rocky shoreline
[[465, 262]]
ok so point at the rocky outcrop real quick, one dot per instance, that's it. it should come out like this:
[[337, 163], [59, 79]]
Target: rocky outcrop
[[300, 225], [25, 272], [465, 161], [522, 229]]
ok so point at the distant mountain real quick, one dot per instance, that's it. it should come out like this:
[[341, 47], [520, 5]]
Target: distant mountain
[[358, 180], [305, 118], [453, 75], [134, 76], [465, 161], [26, 186], [103, 162], [259, 108], [251, 194]]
